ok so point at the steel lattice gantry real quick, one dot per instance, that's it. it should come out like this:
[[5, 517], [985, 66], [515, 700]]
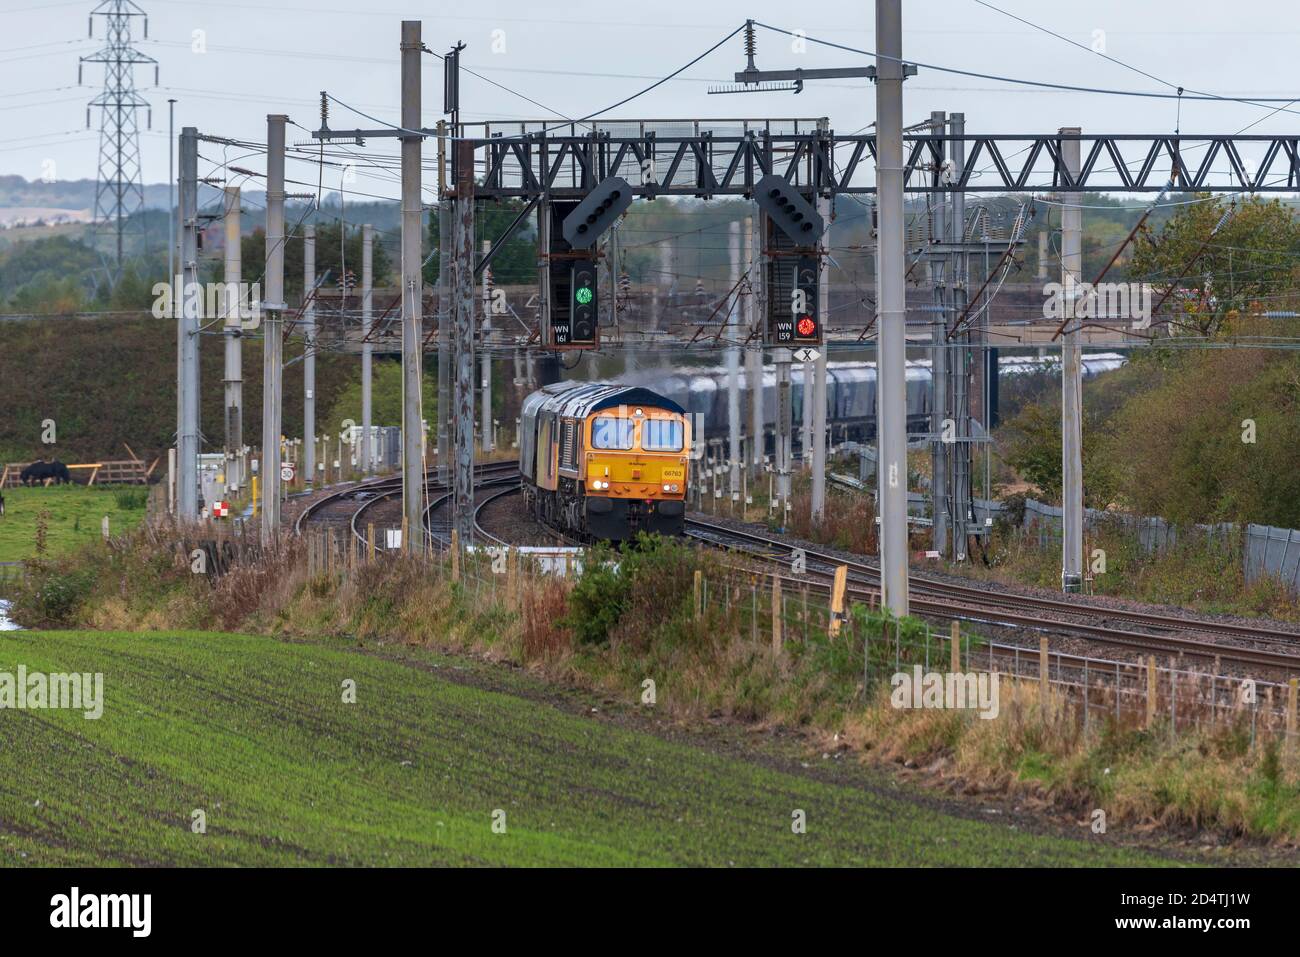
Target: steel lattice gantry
[[541, 163]]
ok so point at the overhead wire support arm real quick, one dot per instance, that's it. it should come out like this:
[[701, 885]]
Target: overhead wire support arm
[[505, 236], [753, 80]]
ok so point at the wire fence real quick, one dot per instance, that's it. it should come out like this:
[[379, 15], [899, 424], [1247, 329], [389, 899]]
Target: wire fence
[[854, 646], [863, 648]]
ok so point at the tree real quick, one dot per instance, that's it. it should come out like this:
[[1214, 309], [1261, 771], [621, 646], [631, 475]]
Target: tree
[[1242, 266], [514, 264], [1184, 449], [328, 261], [385, 397]]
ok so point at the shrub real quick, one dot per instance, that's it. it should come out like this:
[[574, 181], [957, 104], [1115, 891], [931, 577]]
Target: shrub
[[648, 583], [130, 499], [52, 597], [598, 598]]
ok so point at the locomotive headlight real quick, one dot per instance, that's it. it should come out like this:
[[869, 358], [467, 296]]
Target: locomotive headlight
[[668, 488]]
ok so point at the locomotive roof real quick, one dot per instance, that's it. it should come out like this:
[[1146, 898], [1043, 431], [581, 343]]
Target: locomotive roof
[[580, 399]]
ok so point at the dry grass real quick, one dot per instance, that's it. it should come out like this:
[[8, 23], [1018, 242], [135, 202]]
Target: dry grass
[[1209, 781], [543, 604], [848, 523]]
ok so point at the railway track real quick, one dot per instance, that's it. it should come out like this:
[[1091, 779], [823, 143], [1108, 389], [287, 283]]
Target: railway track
[[437, 518], [352, 507], [933, 598], [479, 530]]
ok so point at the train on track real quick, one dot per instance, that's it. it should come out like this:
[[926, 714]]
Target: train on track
[[605, 461], [850, 392]]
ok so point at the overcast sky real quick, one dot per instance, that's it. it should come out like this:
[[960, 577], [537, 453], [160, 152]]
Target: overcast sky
[[253, 58]]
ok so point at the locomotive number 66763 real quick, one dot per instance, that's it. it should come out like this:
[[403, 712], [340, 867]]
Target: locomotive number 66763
[[605, 461]]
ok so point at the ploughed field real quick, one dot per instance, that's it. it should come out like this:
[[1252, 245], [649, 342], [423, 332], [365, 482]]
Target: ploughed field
[[254, 732]]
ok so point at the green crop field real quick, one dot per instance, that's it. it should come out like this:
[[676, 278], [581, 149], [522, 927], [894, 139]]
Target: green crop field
[[76, 513], [255, 733]]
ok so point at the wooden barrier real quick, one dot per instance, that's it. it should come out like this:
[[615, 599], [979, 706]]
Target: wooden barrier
[[776, 614], [1042, 668], [838, 586], [118, 472], [1151, 690]]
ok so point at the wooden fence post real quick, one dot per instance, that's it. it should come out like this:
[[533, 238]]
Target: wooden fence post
[[1042, 669], [455, 553], [776, 613], [837, 599], [699, 593], [406, 539], [370, 541], [956, 648], [1151, 690], [1290, 710]]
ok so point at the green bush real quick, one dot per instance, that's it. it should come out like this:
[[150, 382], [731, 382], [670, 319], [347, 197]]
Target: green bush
[[598, 598], [130, 499], [645, 584], [50, 597]]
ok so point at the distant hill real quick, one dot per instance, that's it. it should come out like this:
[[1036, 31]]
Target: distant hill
[[112, 380], [65, 193]]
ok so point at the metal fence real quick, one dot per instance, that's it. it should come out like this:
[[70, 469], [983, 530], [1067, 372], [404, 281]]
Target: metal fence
[[10, 572], [1173, 697], [1267, 552], [1273, 552]]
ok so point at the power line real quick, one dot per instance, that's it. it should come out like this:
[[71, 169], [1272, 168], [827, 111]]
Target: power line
[[1023, 82]]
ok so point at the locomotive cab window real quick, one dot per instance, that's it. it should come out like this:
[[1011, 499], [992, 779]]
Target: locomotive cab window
[[661, 435], [609, 432]]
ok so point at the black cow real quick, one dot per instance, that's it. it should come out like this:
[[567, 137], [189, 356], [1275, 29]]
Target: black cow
[[43, 473]]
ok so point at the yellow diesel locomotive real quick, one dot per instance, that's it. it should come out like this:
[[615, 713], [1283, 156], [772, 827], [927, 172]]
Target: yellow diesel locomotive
[[605, 461]]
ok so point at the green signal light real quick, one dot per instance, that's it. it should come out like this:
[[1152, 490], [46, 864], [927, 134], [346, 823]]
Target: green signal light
[[583, 296]]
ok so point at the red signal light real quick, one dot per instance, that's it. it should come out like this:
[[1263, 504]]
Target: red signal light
[[806, 327]]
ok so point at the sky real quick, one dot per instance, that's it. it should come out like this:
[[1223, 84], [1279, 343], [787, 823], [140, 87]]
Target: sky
[[228, 64]]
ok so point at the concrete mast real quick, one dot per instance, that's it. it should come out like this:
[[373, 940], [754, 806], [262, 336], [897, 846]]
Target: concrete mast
[[1071, 376], [233, 381], [891, 353], [367, 348], [411, 292], [272, 327], [309, 354]]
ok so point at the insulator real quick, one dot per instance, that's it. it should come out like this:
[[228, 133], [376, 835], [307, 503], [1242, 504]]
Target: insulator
[[751, 41]]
